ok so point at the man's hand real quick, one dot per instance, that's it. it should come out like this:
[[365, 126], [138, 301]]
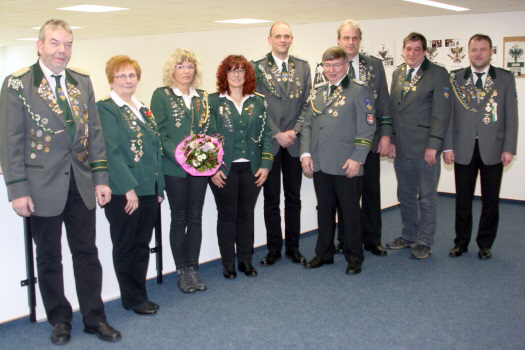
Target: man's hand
[[261, 175], [308, 165], [392, 152], [384, 146], [449, 157], [351, 167], [103, 193], [506, 158], [23, 206], [132, 202], [430, 156], [285, 139]]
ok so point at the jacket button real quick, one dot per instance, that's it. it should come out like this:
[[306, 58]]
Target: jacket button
[[400, 114], [66, 173]]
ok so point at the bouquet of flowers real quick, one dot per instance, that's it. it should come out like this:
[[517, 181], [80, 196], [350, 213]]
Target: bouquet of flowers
[[200, 154]]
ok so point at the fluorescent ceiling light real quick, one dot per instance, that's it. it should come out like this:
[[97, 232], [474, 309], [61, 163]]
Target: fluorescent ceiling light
[[28, 39], [439, 4], [92, 8], [243, 21], [38, 28]]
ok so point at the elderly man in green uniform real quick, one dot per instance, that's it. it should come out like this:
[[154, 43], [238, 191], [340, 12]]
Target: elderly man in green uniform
[[285, 80], [482, 136], [370, 70], [420, 109], [337, 137], [54, 158]]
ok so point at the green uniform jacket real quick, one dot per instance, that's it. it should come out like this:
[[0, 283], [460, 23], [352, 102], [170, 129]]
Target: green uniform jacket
[[259, 134], [174, 122], [133, 149]]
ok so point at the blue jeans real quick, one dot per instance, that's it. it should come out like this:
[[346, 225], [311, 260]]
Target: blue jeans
[[417, 194]]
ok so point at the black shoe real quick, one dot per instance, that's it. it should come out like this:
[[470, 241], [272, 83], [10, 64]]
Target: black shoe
[[143, 309], [318, 262], [104, 331], [353, 268], [457, 251], [270, 258], [295, 256], [229, 271], [339, 248], [153, 305], [248, 269], [376, 249], [485, 254], [61, 333]]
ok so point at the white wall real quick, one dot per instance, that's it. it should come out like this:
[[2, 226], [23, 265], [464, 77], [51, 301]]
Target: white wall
[[151, 51]]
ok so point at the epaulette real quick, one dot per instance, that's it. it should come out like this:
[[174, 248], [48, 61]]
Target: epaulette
[[358, 82], [318, 85], [105, 98], [399, 65], [377, 57], [300, 58], [21, 72], [260, 59], [505, 70], [439, 64], [456, 70], [258, 93], [79, 71]]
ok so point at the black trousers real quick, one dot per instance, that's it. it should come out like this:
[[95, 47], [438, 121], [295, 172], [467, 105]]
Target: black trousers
[[292, 178], [329, 190], [465, 176], [81, 238], [371, 223], [131, 235], [186, 198], [235, 206]]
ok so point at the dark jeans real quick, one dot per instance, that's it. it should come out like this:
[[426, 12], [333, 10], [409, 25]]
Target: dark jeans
[[329, 189], [292, 177], [186, 198], [131, 235], [235, 206], [490, 186], [81, 238]]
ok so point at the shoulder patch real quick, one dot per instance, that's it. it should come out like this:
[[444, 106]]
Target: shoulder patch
[[399, 65], [376, 57], [21, 72], [359, 82], [105, 98], [258, 93], [300, 58], [439, 64], [79, 71], [260, 59], [318, 85]]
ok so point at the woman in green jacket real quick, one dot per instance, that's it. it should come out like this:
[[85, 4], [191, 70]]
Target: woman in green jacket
[[135, 177], [181, 109], [240, 117]]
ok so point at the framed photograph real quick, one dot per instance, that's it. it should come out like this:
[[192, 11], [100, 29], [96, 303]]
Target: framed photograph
[[514, 55]]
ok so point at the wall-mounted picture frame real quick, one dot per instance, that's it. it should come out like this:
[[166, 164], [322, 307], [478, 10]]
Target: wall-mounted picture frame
[[514, 55]]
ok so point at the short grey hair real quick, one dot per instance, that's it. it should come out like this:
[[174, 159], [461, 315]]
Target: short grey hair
[[335, 53], [180, 55], [53, 24], [351, 23]]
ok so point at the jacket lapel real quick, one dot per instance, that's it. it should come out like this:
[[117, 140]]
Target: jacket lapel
[[46, 93], [412, 88]]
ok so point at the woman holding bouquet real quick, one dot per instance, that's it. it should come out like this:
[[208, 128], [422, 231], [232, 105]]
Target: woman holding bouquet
[[136, 180], [240, 117], [182, 110]]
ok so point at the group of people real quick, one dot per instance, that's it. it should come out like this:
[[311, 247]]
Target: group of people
[[58, 146]]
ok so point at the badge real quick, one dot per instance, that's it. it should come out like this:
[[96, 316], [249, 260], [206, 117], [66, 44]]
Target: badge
[[486, 120], [414, 88], [46, 149], [335, 114], [39, 147], [48, 138], [32, 131], [178, 124], [370, 118], [368, 103], [33, 144], [446, 92], [39, 133], [371, 68], [298, 83], [45, 121], [330, 111], [33, 156]]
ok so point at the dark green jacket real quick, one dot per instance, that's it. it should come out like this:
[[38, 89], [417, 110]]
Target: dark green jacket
[[259, 135], [133, 149], [174, 122]]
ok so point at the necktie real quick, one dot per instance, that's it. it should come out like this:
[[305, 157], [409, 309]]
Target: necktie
[[284, 75], [64, 106], [351, 71], [332, 89], [479, 83], [408, 80]]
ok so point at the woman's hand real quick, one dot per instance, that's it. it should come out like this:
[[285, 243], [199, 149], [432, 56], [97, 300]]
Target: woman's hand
[[261, 175], [160, 199], [219, 179], [133, 202]]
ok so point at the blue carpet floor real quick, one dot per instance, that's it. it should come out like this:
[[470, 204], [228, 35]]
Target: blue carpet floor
[[396, 303]]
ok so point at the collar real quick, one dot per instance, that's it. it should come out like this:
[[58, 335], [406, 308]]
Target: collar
[[120, 102], [193, 92], [343, 82], [490, 68], [231, 99], [279, 62], [356, 59], [486, 70]]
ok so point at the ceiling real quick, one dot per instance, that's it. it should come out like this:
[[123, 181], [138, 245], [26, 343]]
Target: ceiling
[[153, 17]]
